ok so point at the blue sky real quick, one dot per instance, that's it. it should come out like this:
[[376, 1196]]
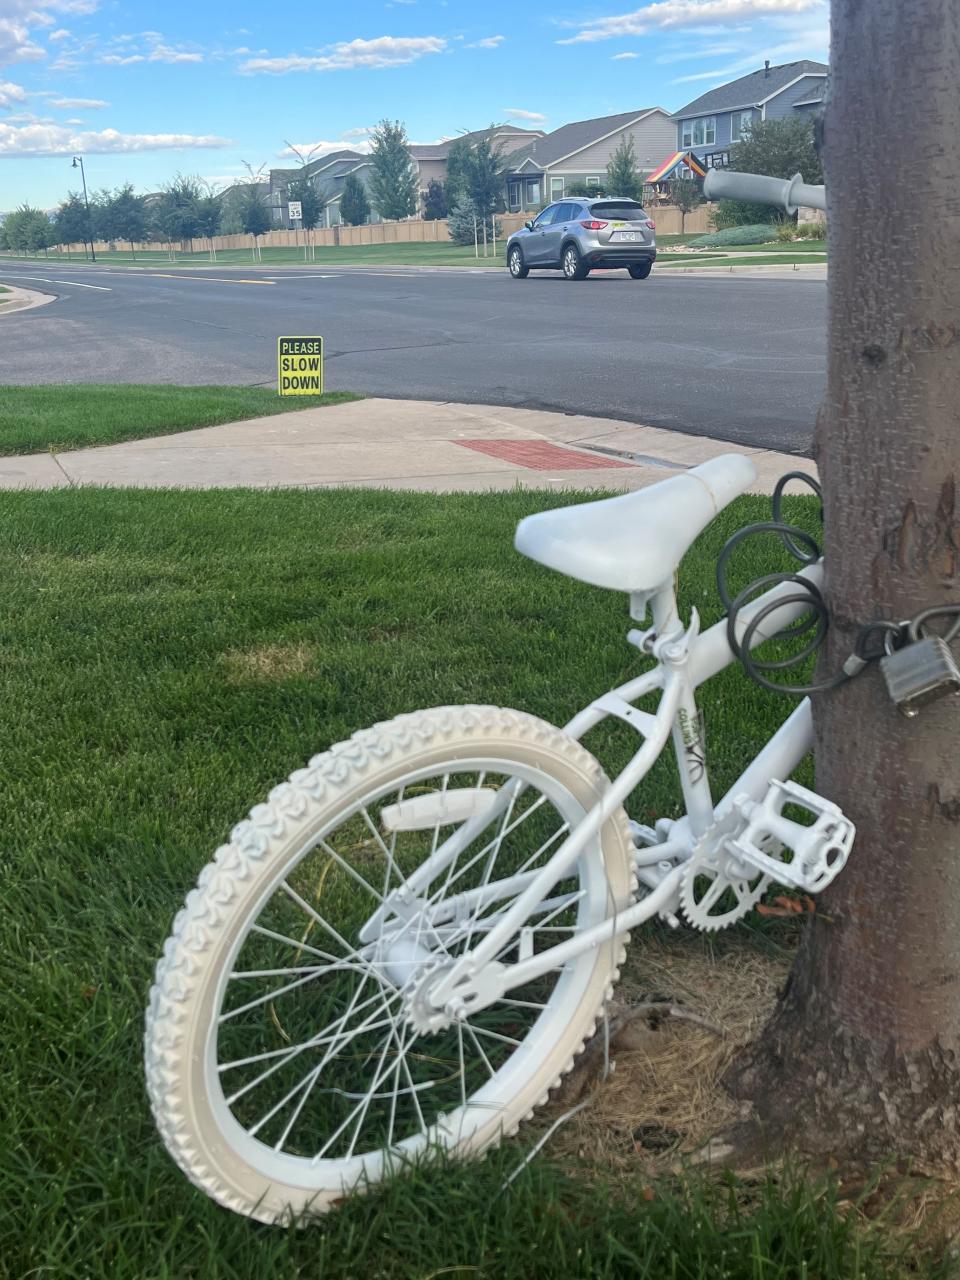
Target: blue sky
[[147, 91]]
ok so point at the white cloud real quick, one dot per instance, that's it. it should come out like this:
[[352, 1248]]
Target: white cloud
[[517, 113], [683, 13], [693, 55], [348, 55], [75, 121], [60, 34], [316, 150], [363, 132], [57, 140], [19, 18], [622, 57], [11, 93], [488, 42], [79, 104], [116, 60], [167, 53]]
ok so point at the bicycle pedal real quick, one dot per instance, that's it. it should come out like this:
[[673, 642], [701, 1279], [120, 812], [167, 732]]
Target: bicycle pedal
[[820, 849]]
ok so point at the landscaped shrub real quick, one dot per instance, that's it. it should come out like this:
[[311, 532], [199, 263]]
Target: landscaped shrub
[[812, 230], [760, 233], [786, 232], [743, 213]]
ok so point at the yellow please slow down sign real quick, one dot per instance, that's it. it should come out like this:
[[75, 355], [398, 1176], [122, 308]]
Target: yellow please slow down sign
[[300, 366]]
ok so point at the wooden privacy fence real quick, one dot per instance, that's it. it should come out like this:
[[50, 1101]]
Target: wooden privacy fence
[[415, 231]]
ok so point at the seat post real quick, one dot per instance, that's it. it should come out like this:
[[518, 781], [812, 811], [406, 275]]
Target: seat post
[[666, 618]]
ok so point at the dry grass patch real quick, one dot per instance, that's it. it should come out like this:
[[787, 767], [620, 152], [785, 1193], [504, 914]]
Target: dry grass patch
[[683, 1008], [269, 662]]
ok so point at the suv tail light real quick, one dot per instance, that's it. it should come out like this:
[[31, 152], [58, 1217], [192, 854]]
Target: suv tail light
[[650, 224], [593, 225]]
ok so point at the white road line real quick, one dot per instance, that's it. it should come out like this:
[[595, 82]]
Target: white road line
[[10, 275]]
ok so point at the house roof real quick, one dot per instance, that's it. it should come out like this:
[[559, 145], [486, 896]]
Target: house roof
[[440, 150], [752, 89], [571, 138], [814, 96]]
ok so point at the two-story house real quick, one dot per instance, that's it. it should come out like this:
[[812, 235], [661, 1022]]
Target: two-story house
[[430, 158], [580, 152], [710, 124], [327, 174]]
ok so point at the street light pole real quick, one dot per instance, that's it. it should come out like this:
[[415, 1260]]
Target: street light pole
[[78, 160]]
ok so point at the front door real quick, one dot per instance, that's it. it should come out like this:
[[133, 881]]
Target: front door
[[534, 245], [553, 235]]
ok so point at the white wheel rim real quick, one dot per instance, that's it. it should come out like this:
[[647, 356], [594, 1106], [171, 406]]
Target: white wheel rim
[[570, 262], [515, 262], [323, 1169]]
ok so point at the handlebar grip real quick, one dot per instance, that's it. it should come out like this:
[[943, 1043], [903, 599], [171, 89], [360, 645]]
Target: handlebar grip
[[785, 193]]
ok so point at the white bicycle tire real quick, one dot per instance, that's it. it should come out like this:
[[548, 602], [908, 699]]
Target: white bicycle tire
[[209, 930]]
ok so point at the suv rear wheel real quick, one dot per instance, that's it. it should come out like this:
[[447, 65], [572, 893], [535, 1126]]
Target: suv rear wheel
[[573, 265], [640, 270]]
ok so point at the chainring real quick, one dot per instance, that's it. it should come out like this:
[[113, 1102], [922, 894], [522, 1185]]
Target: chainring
[[717, 889]]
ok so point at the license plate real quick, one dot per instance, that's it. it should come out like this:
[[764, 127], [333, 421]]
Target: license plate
[[626, 235]]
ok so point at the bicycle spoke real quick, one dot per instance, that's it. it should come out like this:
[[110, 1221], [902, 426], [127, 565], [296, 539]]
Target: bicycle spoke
[[495, 1035], [342, 862], [311, 1076]]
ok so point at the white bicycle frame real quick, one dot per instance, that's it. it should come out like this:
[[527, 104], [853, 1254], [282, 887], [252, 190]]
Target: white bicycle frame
[[686, 659]]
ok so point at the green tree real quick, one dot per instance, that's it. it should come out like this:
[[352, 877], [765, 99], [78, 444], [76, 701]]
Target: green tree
[[623, 177], [175, 213], [435, 201], [100, 225], [125, 216], [303, 189], [393, 184], [685, 195], [28, 230], [777, 149], [462, 223], [70, 221], [354, 205], [254, 215], [584, 189], [458, 164], [209, 214], [485, 169]]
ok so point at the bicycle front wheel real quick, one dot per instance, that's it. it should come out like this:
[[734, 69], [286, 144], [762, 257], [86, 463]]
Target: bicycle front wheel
[[289, 1059]]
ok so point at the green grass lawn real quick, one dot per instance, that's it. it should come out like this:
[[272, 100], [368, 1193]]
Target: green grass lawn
[[78, 416], [777, 259], [165, 658], [437, 255]]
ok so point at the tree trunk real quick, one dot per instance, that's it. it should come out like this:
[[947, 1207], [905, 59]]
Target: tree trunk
[[862, 1056]]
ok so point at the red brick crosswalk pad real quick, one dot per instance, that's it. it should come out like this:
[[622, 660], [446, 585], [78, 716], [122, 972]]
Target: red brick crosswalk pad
[[541, 455]]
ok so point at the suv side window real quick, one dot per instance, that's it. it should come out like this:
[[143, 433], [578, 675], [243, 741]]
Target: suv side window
[[549, 215], [568, 213]]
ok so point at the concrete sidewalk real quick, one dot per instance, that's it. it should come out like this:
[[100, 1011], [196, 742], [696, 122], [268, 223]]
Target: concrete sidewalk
[[395, 444]]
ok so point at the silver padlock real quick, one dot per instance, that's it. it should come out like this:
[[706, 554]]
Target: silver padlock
[[921, 672]]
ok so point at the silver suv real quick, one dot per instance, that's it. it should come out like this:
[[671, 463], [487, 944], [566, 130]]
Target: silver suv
[[579, 235]]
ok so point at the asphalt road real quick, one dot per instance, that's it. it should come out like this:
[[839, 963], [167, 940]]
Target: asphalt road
[[734, 357]]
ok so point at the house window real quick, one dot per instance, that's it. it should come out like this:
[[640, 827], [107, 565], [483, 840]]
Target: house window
[[532, 193], [699, 133], [513, 195], [556, 188], [593, 182], [739, 123]]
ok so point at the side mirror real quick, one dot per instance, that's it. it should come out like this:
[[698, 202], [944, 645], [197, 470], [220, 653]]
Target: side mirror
[[529, 225]]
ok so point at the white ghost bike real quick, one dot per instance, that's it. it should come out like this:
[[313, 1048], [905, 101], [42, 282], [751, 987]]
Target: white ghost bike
[[407, 945]]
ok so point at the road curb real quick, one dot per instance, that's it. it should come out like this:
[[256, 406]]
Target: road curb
[[23, 299]]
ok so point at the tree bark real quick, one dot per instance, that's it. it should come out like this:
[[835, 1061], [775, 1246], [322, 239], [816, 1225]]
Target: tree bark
[[862, 1056]]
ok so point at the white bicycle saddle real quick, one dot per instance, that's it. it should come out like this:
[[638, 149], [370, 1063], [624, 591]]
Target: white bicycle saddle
[[635, 542]]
